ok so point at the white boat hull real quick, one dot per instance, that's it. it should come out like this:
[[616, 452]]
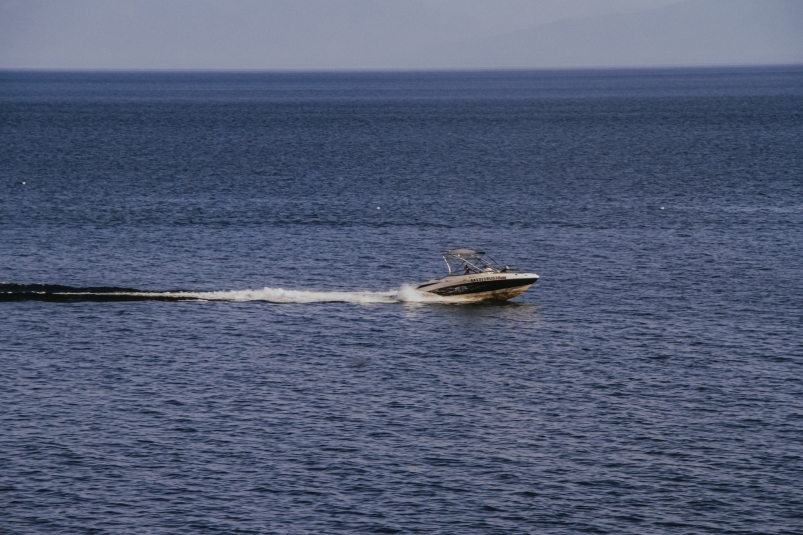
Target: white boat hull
[[481, 286]]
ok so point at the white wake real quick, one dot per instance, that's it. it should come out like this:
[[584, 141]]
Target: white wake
[[405, 294]]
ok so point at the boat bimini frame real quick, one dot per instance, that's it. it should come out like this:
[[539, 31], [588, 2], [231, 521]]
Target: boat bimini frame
[[475, 276], [466, 262]]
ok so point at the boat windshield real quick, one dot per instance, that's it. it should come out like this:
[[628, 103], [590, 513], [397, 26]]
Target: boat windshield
[[467, 261]]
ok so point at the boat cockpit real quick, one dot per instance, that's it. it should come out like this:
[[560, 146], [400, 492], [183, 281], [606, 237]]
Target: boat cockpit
[[468, 262]]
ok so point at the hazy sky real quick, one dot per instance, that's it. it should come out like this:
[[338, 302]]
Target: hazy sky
[[393, 34]]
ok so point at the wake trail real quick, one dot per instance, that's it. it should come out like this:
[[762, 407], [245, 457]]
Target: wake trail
[[59, 293]]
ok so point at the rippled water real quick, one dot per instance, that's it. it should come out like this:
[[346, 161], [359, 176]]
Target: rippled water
[[271, 370]]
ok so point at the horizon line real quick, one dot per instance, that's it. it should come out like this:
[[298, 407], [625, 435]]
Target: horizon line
[[392, 70]]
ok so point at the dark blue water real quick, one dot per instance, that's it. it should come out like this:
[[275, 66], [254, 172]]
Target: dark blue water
[[650, 382]]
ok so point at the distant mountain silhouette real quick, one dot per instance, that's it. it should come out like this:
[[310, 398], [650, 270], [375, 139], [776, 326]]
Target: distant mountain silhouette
[[697, 32], [392, 34]]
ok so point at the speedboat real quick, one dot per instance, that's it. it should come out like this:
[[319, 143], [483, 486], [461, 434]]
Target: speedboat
[[475, 276]]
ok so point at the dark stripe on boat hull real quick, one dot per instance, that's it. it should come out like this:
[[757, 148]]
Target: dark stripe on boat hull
[[480, 287]]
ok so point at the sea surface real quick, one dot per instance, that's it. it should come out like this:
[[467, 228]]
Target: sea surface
[[208, 321]]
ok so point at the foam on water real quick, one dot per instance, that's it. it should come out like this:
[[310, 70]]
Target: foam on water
[[39, 292], [281, 295], [405, 294], [408, 294]]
